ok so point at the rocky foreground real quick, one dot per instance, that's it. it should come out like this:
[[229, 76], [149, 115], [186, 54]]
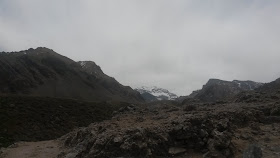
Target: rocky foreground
[[246, 127], [208, 130]]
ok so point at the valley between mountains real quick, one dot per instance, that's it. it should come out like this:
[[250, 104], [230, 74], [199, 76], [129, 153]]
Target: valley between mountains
[[54, 107]]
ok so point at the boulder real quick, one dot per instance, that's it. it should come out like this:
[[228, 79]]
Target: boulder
[[253, 151], [175, 151]]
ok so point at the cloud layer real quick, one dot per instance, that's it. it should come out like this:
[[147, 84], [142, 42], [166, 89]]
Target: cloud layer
[[176, 45]]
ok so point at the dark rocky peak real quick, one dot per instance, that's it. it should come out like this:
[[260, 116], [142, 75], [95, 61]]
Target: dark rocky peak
[[32, 51], [43, 72], [216, 81], [95, 71], [42, 50], [273, 86], [244, 85], [266, 93], [91, 67], [40, 55], [216, 89]]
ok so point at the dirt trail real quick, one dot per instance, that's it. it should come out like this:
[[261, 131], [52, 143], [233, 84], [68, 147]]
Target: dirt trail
[[43, 149]]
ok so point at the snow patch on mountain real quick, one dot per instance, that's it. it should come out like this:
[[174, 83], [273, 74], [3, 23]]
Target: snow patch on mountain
[[248, 85], [159, 93], [83, 63]]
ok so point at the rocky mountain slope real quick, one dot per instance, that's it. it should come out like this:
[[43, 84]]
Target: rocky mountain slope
[[156, 94], [43, 72], [270, 87], [216, 89]]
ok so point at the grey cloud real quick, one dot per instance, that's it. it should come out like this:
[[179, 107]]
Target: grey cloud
[[177, 44]]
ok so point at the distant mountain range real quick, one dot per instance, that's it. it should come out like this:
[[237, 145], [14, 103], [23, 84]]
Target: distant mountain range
[[213, 90], [155, 94], [216, 89], [43, 72]]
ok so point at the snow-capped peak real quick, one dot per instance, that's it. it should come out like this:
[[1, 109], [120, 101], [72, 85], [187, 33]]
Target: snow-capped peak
[[159, 93]]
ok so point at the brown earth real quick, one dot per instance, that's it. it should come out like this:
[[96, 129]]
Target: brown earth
[[43, 149]]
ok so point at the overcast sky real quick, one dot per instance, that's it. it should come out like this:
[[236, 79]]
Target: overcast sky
[[173, 44]]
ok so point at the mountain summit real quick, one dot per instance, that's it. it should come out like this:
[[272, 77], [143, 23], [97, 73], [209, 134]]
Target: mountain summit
[[216, 89], [43, 72]]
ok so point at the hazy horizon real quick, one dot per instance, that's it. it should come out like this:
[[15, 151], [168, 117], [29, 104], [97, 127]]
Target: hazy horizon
[[178, 45]]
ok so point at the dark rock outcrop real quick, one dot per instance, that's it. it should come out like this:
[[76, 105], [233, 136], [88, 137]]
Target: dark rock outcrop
[[207, 131]]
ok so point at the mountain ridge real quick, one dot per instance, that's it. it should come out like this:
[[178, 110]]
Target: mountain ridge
[[217, 89], [43, 72]]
